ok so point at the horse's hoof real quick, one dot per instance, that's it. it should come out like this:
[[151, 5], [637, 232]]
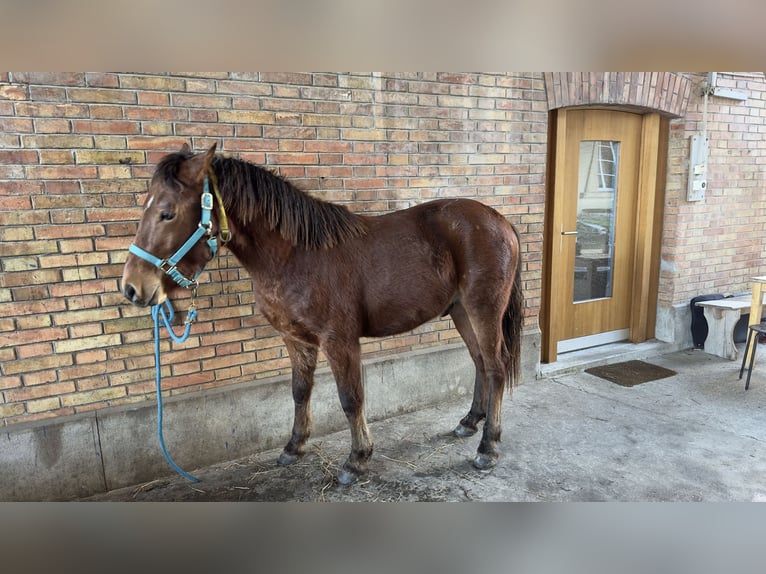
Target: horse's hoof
[[462, 431], [349, 474], [287, 458], [346, 477], [484, 461]]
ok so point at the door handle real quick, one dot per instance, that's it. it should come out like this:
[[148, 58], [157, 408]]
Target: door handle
[[568, 233]]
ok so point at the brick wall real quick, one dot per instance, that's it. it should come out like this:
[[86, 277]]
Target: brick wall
[[716, 245], [76, 153], [664, 92]]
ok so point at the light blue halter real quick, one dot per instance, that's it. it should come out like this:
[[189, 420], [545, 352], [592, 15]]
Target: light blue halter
[[204, 228]]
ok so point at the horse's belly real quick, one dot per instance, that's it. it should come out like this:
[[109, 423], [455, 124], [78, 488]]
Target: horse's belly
[[403, 311], [393, 326], [415, 285]]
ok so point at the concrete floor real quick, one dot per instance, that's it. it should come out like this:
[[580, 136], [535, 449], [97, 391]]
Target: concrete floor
[[569, 436]]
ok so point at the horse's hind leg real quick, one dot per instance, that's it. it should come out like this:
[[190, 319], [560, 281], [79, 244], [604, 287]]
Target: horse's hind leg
[[484, 311], [303, 359], [344, 359], [469, 424], [491, 346]]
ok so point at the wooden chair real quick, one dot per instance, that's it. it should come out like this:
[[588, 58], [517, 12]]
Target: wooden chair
[[754, 332]]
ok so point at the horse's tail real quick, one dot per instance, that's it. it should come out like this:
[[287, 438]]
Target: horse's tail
[[513, 319]]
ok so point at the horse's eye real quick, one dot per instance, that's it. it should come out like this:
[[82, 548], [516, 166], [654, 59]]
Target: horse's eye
[[166, 216]]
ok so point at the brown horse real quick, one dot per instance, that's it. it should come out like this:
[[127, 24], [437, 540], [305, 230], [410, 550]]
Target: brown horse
[[324, 277]]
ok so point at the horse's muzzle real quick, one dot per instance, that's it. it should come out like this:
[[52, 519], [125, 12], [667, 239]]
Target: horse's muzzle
[[133, 295]]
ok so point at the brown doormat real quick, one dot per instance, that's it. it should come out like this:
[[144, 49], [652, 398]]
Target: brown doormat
[[631, 373]]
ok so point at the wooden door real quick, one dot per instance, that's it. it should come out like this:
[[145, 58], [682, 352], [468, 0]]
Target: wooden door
[[598, 258]]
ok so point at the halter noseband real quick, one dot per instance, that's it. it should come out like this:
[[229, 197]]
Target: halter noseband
[[204, 228]]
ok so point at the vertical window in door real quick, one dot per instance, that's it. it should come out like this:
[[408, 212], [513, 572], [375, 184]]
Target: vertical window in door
[[596, 208]]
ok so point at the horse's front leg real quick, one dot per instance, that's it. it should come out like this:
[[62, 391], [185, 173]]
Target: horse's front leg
[[344, 358], [303, 358]]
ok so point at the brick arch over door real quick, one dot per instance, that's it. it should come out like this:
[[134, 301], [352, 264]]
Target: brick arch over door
[[664, 92]]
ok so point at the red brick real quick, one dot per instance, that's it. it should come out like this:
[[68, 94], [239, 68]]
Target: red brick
[[201, 101], [76, 245], [50, 78], [13, 93], [364, 183], [210, 130], [239, 87], [60, 157], [106, 112], [29, 277], [99, 95], [30, 293], [57, 141], [90, 383], [61, 172], [42, 109], [203, 115], [47, 94], [292, 158], [36, 350], [76, 372], [53, 188], [61, 231], [153, 143], [101, 80], [17, 203], [93, 396], [105, 127], [163, 83], [18, 156], [16, 125], [15, 382], [82, 288], [246, 117], [187, 380], [328, 146], [156, 113], [286, 78], [24, 366], [8, 218], [200, 85], [11, 172], [36, 335], [153, 99]]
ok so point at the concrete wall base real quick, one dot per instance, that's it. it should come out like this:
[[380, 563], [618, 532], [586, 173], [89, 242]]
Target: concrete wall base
[[77, 456]]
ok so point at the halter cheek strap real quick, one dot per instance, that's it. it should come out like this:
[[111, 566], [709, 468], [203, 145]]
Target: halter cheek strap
[[204, 228]]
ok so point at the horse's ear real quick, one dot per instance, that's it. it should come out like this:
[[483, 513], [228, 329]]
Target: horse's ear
[[185, 148], [209, 155]]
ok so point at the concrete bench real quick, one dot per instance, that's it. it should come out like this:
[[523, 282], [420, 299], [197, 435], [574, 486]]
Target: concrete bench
[[722, 315]]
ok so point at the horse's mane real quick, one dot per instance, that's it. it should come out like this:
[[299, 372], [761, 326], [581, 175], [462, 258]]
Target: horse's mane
[[251, 192]]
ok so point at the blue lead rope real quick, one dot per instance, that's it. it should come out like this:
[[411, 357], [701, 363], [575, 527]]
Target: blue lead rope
[[158, 311]]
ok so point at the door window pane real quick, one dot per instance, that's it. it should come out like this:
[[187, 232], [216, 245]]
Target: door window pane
[[596, 205]]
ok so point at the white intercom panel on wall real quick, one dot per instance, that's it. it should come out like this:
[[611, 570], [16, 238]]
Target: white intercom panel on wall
[[698, 154]]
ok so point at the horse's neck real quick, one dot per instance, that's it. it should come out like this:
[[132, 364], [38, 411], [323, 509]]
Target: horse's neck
[[263, 252]]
